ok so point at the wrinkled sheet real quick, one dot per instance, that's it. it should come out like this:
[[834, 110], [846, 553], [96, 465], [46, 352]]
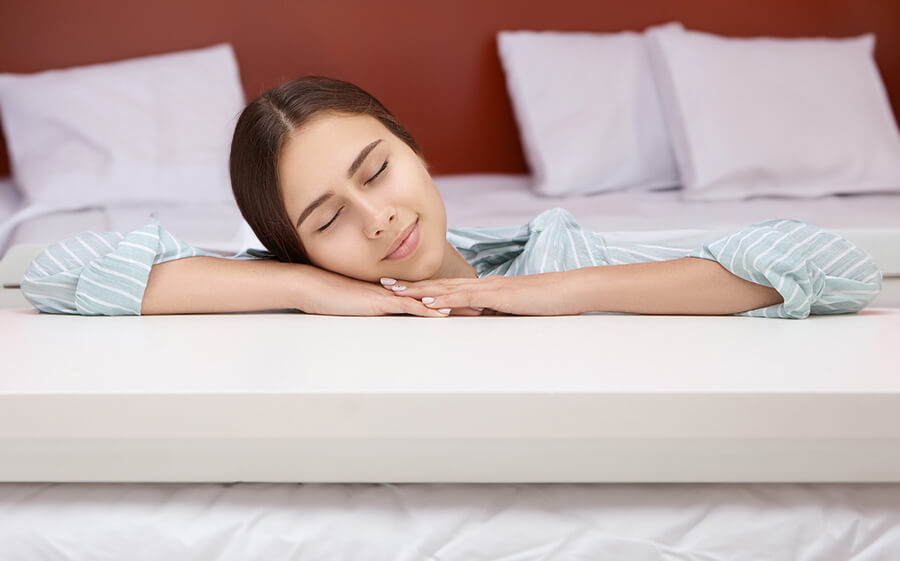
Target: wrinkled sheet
[[449, 522]]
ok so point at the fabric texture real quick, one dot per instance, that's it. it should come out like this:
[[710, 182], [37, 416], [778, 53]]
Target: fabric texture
[[450, 521], [815, 271], [588, 111], [750, 117], [149, 129], [102, 273]]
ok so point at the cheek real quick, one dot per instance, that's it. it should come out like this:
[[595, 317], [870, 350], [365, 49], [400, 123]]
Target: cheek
[[336, 253]]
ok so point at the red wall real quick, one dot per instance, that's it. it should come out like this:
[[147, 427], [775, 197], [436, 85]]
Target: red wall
[[433, 63]]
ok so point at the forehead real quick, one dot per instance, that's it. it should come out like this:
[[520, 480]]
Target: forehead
[[325, 145], [330, 134]]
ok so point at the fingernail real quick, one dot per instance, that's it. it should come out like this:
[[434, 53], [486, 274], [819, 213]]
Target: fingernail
[[476, 308], [427, 300], [444, 310], [385, 281], [398, 288]]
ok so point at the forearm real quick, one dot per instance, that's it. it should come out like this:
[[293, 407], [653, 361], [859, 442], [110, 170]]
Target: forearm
[[214, 285], [687, 286]]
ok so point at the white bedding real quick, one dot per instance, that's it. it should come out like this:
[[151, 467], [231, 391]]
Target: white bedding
[[870, 221], [690, 522], [216, 225], [278, 398], [10, 201], [412, 522], [501, 200]]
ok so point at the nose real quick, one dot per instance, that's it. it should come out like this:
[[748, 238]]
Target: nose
[[378, 219]]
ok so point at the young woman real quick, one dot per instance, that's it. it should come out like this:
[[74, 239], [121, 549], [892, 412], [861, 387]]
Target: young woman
[[338, 192]]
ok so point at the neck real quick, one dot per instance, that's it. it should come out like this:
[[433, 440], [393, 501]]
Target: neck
[[454, 265]]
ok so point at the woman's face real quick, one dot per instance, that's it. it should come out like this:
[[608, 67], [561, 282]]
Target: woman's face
[[356, 191]]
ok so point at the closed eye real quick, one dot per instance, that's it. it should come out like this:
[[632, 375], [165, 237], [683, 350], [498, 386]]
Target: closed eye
[[377, 173], [333, 218]]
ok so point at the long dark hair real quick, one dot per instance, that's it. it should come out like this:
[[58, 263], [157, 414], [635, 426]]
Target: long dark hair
[[259, 135]]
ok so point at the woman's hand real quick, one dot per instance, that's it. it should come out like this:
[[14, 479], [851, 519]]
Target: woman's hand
[[544, 294], [327, 293]]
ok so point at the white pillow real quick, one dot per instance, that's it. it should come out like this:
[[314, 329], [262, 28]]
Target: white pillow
[[150, 129], [588, 111], [779, 117]]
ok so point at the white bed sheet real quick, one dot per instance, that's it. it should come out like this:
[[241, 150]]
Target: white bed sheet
[[464, 522], [215, 226], [10, 201], [212, 226], [501, 200]]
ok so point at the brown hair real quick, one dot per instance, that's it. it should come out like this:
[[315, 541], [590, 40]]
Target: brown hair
[[259, 135]]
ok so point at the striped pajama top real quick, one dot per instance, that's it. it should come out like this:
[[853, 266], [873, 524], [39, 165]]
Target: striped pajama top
[[814, 270]]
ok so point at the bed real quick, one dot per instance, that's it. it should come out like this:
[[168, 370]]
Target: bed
[[581, 444], [545, 457]]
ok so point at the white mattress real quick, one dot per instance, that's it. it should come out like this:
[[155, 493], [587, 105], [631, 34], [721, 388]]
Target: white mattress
[[373, 522], [492, 399]]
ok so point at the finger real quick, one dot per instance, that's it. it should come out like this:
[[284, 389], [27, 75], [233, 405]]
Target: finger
[[416, 308], [429, 291], [417, 292], [458, 299], [418, 289], [401, 289], [390, 283], [393, 284]]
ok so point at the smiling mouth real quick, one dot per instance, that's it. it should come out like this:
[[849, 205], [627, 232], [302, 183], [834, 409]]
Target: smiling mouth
[[405, 243]]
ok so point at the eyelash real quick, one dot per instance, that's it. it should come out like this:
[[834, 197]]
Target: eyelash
[[333, 218]]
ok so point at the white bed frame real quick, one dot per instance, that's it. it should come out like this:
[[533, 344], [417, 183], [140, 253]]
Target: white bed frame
[[281, 397]]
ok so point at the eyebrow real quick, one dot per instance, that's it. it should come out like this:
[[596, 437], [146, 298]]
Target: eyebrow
[[360, 158]]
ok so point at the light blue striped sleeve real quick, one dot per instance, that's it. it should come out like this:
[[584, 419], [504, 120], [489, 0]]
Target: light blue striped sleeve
[[103, 273], [814, 270]]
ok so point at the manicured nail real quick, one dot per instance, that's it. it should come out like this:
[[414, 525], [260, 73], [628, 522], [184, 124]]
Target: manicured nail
[[444, 310], [398, 288], [427, 300], [385, 281]]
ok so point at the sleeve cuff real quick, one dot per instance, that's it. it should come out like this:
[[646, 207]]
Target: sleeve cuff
[[814, 270], [114, 284]]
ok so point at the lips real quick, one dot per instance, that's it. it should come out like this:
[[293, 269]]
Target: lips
[[400, 241]]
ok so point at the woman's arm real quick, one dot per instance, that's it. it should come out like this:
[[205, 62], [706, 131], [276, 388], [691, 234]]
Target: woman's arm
[[687, 286], [149, 271], [776, 268], [213, 285], [106, 273]]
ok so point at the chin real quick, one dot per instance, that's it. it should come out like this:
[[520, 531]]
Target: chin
[[426, 267]]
